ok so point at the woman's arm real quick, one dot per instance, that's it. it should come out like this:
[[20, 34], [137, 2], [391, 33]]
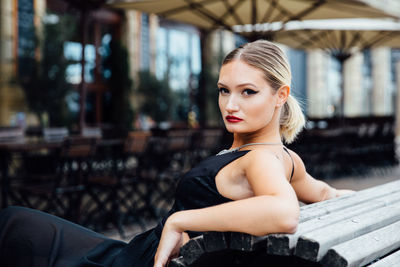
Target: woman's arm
[[308, 189], [274, 208]]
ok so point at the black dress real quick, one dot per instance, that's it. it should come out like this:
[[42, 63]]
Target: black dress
[[33, 238]]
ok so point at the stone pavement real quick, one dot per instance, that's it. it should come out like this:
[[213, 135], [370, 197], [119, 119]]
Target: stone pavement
[[373, 178]]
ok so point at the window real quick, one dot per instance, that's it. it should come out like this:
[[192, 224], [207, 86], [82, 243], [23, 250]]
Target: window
[[26, 38], [178, 56], [73, 52], [178, 60]]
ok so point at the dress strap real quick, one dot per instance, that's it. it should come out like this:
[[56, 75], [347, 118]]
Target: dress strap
[[291, 175]]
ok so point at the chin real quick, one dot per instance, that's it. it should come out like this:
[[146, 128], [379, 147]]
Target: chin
[[236, 129]]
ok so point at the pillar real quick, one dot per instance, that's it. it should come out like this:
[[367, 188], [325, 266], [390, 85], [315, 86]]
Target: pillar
[[397, 116], [318, 97], [355, 97], [218, 43], [382, 89], [154, 24], [7, 35]]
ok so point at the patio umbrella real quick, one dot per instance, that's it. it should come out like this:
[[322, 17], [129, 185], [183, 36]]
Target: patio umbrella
[[339, 38], [209, 14]]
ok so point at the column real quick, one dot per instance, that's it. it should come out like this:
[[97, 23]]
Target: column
[[154, 24], [382, 89], [132, 43], [132, 40], [7, 24], [218, 44], [317, 92], [397, 130], [354, 95]]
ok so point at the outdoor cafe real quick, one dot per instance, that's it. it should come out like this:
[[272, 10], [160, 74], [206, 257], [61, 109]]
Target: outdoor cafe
[[106, 104], [90, 179]]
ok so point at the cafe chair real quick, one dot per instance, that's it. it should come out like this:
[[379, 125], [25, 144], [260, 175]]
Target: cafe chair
[[62, 193], [39, 164], [170, 157], [206, 142], [117, 191]]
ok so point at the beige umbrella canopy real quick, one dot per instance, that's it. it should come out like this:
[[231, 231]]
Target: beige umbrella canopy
[[339, 35], [209, 14]]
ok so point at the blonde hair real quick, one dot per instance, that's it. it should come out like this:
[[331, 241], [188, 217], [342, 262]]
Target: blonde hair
[[271, 60]]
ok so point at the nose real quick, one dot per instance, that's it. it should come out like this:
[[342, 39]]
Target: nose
[[232, 104]]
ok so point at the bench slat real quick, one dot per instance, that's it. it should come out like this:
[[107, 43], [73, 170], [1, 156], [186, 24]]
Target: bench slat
[[364, 249], [284, 244], [192, 250], [354, 229], [393, 260], [216, 241], [311, 211], [313, 245], [246, 242], [178, 262]]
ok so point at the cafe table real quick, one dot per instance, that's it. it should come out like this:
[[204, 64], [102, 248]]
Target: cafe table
[[22, 146]]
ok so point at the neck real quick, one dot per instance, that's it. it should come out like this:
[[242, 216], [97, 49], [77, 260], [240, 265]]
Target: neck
[[268, 134], [240, 139]]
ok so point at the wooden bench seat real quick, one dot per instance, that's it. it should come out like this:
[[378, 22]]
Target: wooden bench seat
[[353, 230]]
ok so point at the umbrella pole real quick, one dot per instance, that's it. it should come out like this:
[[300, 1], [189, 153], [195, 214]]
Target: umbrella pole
[[341, 56], [342, 73]]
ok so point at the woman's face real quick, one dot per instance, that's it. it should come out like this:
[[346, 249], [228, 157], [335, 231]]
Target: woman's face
[[246, 100]]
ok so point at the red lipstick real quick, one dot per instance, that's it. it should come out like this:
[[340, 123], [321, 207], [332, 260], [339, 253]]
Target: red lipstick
[[233, 119]]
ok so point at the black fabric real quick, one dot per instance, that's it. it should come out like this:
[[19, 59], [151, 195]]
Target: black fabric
[[30, 238]]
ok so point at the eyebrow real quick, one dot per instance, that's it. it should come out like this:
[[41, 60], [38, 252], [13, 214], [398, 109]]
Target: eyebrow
[[240, 85]]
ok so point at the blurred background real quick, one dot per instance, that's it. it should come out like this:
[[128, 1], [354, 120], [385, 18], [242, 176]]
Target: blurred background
[[104, 104]]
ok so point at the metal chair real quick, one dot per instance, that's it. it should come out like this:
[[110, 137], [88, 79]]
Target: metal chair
[[116, 189], [171, 158], [206, 142], [62, 194]]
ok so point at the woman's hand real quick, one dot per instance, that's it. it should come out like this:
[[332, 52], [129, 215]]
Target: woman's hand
[[171, 240], [342, 192]]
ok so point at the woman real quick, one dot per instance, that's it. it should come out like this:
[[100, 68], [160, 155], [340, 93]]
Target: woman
[[254, 187]]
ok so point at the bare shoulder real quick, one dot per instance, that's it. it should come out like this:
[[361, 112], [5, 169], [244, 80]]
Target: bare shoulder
[[265, 173], [262, 161], [261, 156]]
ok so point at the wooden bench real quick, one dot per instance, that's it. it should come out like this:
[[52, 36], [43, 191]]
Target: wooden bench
[[360, 229]]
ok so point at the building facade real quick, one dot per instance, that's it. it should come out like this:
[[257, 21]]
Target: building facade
[[172, 51]]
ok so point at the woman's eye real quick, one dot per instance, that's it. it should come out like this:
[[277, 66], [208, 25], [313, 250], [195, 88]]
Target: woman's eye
[[223, 90], [249, 92]]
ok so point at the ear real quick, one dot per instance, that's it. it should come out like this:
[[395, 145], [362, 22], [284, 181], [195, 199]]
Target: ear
[[283, 94]]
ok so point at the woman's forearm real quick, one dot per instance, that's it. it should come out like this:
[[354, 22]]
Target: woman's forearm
[[333, 192], [258, 215]]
